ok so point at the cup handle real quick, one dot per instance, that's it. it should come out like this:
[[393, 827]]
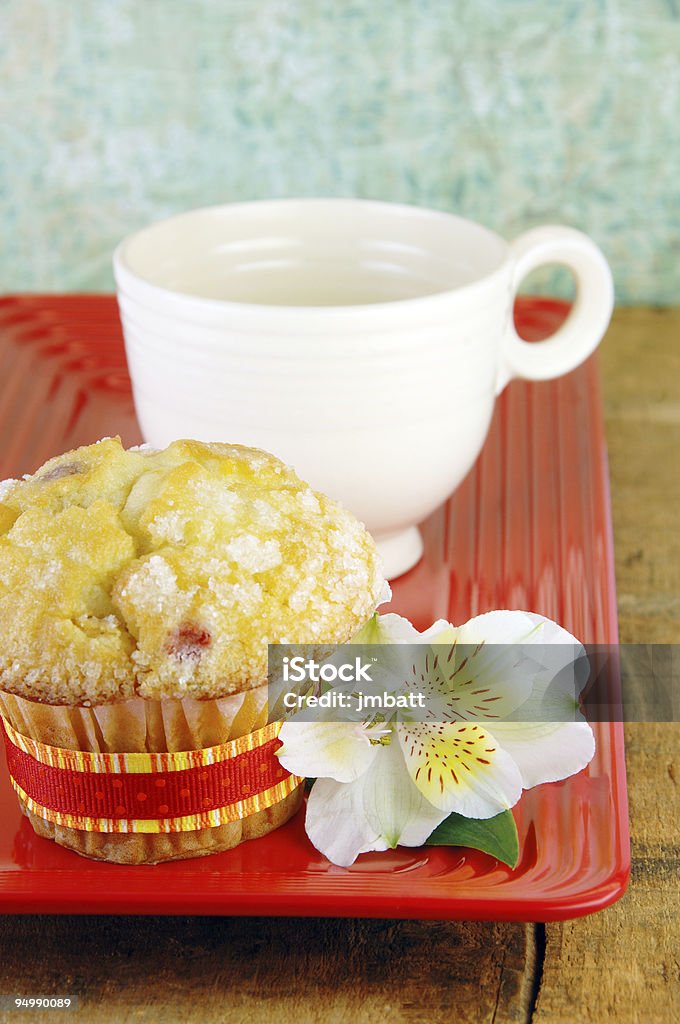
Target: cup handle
[[583, 329]]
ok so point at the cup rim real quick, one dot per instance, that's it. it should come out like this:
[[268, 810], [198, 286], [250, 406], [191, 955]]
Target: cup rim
[[143, 288]]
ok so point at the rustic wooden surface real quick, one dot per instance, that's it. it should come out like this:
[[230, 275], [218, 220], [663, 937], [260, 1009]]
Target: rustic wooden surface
[[620, 965]]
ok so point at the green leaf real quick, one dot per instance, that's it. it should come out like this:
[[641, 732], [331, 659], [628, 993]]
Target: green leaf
[[495, 836]]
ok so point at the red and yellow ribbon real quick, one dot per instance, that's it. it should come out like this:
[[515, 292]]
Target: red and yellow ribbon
[[153, 793]]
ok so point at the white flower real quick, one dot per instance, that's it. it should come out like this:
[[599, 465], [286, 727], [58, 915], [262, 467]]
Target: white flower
[[487, 735]]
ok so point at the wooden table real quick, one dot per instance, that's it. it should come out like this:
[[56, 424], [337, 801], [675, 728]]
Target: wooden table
[[620, 965]]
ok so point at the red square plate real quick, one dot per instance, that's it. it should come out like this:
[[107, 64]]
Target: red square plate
[[530, 528]]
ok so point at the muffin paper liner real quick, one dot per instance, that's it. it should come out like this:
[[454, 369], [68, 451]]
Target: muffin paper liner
[[144, 781], [178, 792]]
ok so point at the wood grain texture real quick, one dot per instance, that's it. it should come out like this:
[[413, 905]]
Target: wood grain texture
[[243, 970], [620, 965], [640, 367], [624, 964]]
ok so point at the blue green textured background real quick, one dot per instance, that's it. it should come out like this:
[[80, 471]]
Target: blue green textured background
[[513, 112]]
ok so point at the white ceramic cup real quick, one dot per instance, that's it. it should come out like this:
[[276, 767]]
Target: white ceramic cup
[[362, 342]]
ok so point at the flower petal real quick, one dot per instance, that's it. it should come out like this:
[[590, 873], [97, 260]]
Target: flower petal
[[460, 767], [333, 750], [515, 664], [546, 751], [440, 632], [555, 660], [546, 631], [395, 807], [387, 629], [471, 682], [552, 654], [499, 627], [336, 823], [375, 812]]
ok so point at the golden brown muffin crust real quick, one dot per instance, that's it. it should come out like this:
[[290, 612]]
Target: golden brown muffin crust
[[166, 574]]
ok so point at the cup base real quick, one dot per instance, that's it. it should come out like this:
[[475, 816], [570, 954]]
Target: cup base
[[400, 551]]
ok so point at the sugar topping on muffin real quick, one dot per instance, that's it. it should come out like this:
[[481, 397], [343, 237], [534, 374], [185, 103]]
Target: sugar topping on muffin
[[167, 573]]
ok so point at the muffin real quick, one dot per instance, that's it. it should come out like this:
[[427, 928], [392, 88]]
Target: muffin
[[139, 590]]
